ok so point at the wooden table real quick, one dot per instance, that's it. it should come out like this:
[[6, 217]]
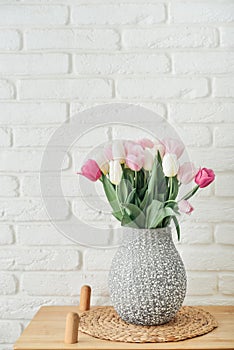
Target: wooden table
[[46, 332]]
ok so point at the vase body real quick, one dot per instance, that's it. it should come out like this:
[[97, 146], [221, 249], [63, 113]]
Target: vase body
[[147, 279]]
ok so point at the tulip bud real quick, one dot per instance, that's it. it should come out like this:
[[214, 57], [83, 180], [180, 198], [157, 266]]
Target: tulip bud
[[148, 160], [186, 173], [115, 172], [91, 170], [173, 146], [102, 162], [118, 151], [185, 207], [204, 177], [170, 164]]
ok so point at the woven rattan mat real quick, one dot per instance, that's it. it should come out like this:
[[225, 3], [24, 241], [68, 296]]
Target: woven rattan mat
[[104, 323]]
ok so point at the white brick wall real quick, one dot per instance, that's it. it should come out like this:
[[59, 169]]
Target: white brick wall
[[59, 57]]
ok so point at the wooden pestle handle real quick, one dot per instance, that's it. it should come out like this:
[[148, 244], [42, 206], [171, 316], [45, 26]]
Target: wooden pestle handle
[[72, 325], [85, 294]]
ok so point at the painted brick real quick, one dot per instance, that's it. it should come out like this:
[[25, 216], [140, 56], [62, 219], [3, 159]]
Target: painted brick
[[8, 186], [43, 259], [6, 90], [40, 136], [169, 37], [64, 284], [97, 214], [9, 331], [213, 210], [213, 257], [33, 15], [86, 39], [32, 113], [98, 260], [195, 136], [208, 157], [201, 283], [31, 186], [26, 307], [40, 234], [66, 89], [213, 300], [208, 112], [6, 235], [194, 233], [122, 64], [169, 88], [203, 62], [200, 12], [159, 108], [118, 14], [227, 36], [223, 87], [223, 136], [5, 137], [226, 284], [32, 137], [36, 64], [24, 160], [9, 39], [28, 210], [224, 234], [8, 283], [224, 185]]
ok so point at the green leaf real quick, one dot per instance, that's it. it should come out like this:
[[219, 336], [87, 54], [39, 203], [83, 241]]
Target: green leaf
[[122, 191], [118, 215], [135, 213], [163, 213], [144, 201], [157, 182], [111, 196], [128, 175], [177, 226], [131, 196], [152, 213], [127, 220]]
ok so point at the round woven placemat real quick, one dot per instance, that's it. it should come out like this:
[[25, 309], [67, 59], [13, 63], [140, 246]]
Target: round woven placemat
[[104, 323]]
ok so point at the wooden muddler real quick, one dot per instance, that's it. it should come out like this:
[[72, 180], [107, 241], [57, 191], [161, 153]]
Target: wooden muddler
[[72, 325], [85, 294]]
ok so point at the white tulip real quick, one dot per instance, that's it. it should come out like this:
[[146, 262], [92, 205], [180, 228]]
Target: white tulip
[[102, 162], [148, 160], [118, 151], [115, 172], [170, 164]]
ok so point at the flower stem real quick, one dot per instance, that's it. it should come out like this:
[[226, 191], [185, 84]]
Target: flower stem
[[170, 186], [117, 198], [191, 193]]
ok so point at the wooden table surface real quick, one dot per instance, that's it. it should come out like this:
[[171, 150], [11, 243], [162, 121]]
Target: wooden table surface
[[46, 332]]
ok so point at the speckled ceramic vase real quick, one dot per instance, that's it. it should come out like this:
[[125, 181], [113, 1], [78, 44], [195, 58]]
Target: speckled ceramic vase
[[147, 279]]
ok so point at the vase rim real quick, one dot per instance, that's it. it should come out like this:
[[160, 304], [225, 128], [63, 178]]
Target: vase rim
[[166, 229]]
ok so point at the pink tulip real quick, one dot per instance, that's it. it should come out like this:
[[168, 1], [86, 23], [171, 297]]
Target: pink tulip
[[134, 155], [173, 146], [186, 173], [204, 177], [185, 207], [91, 170], [146, 143]]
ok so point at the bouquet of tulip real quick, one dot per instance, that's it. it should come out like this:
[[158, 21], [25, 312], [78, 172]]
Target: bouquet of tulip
[[142, 179]]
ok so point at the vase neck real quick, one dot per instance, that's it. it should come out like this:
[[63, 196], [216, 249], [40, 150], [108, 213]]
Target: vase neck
[[131, 234]]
